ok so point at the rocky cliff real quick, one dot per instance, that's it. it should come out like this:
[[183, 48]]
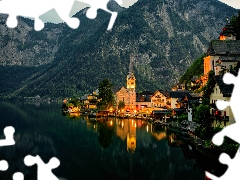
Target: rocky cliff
[[164, 37]]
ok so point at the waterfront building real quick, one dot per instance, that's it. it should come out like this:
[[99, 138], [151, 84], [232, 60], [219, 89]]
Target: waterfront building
[[90, 100], [143, 100], [159, 99]]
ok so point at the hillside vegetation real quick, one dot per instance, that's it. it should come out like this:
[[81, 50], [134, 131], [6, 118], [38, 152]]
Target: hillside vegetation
[[196, 69]]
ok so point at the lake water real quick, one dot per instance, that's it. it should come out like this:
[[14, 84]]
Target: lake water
[[116, 149]]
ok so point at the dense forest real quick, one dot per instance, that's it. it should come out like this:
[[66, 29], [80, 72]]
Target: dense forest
[[196, 69]]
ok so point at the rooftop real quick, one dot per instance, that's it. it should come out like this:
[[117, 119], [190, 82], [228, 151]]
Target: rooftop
[[178, 94], [225, 89], [226, 47]]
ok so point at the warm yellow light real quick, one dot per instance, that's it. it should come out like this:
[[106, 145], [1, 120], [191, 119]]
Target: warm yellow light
[[147, 128], [122, 124], [111, 123], [135, 125], [94, 126]]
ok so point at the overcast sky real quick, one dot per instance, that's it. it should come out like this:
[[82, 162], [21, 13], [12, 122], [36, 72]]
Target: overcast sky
[[51, 16]]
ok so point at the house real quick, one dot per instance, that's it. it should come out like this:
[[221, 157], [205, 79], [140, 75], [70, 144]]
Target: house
[[161, 114], [188, 102], [175, 101], [90, 100], [143, 100], [158, 99], [223, 53], [175, 98], [196, 83], [179, 87], [221, 91]]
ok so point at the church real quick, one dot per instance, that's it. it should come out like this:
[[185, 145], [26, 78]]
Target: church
[[222, 54], [128, 95]]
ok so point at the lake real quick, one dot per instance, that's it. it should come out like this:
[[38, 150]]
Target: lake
[[117, 149]]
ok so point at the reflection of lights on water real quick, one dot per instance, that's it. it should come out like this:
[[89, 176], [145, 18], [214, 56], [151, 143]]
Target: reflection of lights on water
[[111, 123], [122, 124], [147, 128], [135, 125], [94, 126]]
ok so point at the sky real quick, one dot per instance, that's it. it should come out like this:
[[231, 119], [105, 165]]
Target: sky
[[234, 3], [52, 16]]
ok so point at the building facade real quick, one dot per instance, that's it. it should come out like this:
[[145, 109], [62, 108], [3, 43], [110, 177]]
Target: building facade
[[158, 99], [221, 91]]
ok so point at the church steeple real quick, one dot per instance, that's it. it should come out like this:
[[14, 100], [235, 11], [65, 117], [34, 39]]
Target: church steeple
[[131, 80], [228, 32]]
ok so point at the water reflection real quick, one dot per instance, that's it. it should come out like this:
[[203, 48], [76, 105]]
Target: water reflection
[[106, 133], [106, 148]]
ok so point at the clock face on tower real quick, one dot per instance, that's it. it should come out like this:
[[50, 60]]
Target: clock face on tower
[[131, 83]]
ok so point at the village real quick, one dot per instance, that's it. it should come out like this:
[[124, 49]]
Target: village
[[222, 56], [188, 108]]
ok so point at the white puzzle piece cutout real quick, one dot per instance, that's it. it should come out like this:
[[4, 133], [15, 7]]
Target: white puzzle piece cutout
[[101, 4], [3, 165], [9, 140], [18, 176], [36, 8], [44, 170], [233, 167], [231, 131]]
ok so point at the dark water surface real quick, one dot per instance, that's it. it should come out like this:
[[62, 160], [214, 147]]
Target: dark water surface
[[115, 149]]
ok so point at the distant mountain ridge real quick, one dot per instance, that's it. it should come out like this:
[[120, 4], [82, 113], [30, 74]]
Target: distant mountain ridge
[[164, 37]]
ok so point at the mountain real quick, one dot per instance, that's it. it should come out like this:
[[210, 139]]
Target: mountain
[[26, 47], [163, 36]]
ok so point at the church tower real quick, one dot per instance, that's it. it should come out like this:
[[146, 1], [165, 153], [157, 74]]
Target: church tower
[[228, 32], [131, 87], [131, 80]]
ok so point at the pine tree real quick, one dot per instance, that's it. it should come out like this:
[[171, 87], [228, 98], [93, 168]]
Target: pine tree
[[105, 94]]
